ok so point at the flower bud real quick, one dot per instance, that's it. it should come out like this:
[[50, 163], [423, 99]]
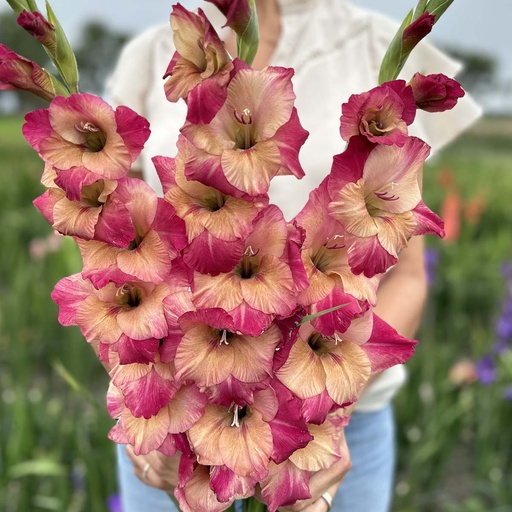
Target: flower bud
[[16, 72], [416, 31], [435, 93], [39, 28]]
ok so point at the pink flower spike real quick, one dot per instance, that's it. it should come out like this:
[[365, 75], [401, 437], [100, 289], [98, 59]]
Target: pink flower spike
[[381, 115], [83, 131], [435, 93]]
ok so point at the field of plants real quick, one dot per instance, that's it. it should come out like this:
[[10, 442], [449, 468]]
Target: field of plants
[[454, 416]]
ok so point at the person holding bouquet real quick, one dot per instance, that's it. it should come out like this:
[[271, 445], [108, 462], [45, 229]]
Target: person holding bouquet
[[335, 49]]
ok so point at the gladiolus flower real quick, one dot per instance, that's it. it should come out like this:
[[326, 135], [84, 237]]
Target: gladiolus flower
[[217, 224], [210, 351], [376, 197], [245, 438], [435, 93], [381, 115], [135, 309], [261, 286], [163, 431], [16, 72], [324, 254], [200, 69], [156, 239], [95, 215], [82, 134], [255, 136]]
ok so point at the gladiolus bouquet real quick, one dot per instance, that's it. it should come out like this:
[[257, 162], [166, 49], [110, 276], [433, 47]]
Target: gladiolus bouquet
[[234, 337]]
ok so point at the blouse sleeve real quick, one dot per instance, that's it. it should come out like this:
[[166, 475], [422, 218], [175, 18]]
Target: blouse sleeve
[[440, 128]]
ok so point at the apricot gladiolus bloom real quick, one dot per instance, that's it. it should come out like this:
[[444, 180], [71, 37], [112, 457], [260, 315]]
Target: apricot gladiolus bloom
[[163, 431], [200, 68], [381, 115], [260, 286], [217, 224], [324, 255], [157, 237], [255, 136], [85, 139], [210, 351], [376, 197]]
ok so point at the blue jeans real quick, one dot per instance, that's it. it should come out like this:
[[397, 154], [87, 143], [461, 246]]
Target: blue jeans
[[368, 486]]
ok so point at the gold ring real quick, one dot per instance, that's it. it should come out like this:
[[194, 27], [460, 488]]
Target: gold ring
[[147, 467], [328, 499]]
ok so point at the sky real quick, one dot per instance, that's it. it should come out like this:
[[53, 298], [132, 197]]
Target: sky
[[472, 24]]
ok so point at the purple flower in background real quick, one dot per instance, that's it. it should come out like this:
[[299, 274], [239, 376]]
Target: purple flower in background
[[486, 370], [431, 261], [114, 503]]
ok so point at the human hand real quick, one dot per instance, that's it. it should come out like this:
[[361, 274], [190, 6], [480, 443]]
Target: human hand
[[326, 480], [162, 471]]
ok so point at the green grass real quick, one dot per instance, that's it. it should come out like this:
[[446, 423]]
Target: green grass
[[454, 441]]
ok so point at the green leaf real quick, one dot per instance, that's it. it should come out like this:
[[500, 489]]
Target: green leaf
[[247, 43], [37, 467], [438, 7], [18, 5], [393, 61], [64, 57], [73, 383], [420, 9], [308, 318]]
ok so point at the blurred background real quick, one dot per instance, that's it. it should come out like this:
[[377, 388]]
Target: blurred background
[[454, 416]]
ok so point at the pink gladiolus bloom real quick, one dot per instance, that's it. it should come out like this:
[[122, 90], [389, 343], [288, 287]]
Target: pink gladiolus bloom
[[324, 255], [217, 224], [288, 481], [210, 351], [200, 69], [261, 286], [163, 431], [16, 72], [337, 366], [381, 115], [95, 215], [156, 239], [255, 136], [209, 488], [245, 438], [135, 309], [376, 197], [82, 134], [435, 93]]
